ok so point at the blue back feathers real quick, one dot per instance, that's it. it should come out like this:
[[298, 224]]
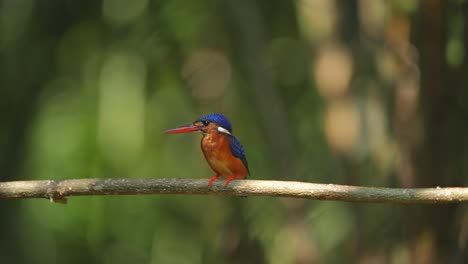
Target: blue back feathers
[[219, 119], [238, 151], [236, 147]]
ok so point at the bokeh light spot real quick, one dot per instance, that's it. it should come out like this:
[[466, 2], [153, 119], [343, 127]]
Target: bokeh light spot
[[333, 70], [208, 73], [121, 107], [342, 125]]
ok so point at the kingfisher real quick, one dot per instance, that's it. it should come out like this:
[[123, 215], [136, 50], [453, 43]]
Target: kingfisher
[[223, 152]]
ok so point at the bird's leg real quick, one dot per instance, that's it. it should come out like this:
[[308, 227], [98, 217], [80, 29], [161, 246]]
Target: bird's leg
[[214, 178], [233, 177]]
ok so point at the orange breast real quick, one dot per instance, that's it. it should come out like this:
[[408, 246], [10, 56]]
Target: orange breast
[[215, 147]]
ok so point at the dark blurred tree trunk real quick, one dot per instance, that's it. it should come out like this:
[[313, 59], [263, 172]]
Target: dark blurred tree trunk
[[254, 39], [348, 36], [255, 33], [23, 69], [26, 64], [434, 231]]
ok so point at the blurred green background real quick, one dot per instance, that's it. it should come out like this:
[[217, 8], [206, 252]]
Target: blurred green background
[[367, 92]]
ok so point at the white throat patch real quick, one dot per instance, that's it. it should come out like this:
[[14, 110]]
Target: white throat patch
[[223, 130]]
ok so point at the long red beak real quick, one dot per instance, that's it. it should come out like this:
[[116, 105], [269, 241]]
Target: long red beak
[[182, 129]]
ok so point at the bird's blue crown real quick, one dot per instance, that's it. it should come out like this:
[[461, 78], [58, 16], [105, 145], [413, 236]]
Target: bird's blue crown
[[219, 119]]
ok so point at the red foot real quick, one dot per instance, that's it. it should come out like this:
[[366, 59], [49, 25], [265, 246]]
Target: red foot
[[214, 178], [233, 177]]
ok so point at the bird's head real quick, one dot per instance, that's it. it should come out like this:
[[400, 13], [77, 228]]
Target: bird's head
[[206, 124]]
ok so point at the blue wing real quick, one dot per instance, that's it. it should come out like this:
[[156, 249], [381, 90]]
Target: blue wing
[[238, 151]]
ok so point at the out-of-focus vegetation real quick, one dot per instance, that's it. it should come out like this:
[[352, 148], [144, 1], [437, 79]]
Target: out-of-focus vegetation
[[367, 92]]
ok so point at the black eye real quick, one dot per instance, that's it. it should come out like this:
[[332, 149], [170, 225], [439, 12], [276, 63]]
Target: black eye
[[205, 122]]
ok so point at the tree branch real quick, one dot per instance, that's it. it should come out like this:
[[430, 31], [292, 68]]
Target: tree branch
[[58, 190]]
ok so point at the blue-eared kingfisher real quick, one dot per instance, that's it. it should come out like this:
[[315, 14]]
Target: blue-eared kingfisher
[[223, 152]]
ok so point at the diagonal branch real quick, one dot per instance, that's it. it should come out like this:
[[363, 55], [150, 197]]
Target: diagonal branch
[[58, 190]]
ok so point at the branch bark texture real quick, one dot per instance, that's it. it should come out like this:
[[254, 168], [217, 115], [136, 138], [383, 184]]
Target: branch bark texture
[[58, 190]]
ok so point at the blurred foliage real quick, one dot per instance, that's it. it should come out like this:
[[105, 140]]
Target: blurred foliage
[[367, 92]]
